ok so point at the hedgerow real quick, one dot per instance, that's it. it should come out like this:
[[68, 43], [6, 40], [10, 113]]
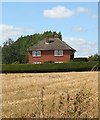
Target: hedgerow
[[48, 67], [80, 59]]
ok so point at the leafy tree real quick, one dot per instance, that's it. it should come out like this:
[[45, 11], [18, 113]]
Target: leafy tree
[[54, 32], [8, 42], [94, 57], [0, 54], [16, 52], [10, 52], [60, 36]]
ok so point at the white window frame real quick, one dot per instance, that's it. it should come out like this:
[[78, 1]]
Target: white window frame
[[36, 53], [57, 53], [36, 62], [59, 62]]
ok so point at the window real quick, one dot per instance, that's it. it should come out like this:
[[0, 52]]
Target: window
[[59, 62], [58, 52], [36, 53], [36, 63]]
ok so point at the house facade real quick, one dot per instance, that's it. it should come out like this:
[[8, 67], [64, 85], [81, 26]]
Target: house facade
[[50, 49]]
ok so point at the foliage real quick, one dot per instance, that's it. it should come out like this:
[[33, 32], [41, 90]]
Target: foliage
[[10, 52], [80, 59], [49, 67], [60, 36], [94, 57], [0, 54], [8, 42], [17, 51]]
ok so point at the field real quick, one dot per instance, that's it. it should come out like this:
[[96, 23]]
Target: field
[[50, 95]]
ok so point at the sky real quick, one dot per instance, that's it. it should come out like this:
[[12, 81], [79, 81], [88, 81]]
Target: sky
[[77, 21]]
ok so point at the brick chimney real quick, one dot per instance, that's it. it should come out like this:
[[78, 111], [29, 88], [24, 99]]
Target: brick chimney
[[55, 36], [47, 38]]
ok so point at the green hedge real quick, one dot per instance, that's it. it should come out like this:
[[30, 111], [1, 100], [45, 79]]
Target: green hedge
[[47, 67], [80, 60]]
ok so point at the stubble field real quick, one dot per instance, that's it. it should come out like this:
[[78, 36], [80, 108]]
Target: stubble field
[[50, 95]]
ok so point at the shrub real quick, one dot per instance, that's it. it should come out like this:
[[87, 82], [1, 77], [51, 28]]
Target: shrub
[[48, 67], [80, 59]]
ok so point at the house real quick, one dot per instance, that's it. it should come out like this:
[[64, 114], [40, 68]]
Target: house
[[50, 49]]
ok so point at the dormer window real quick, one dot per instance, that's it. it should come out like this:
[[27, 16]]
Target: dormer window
[[58, 53], [36, 53]]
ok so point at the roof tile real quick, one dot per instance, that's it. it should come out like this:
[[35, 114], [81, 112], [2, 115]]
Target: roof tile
[[54, 44]]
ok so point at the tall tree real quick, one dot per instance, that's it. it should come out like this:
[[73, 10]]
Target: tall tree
[[54, 32], [10, 52], [17, 51], [60, 36], [0, 54], [94, 57]]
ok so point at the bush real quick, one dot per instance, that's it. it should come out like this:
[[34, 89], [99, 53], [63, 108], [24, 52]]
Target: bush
[[48, 67], [94, 57], [80, 60]]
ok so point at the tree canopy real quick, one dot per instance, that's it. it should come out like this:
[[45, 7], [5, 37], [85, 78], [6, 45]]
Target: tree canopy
[[13, 52], [94, 57], [16, 52]]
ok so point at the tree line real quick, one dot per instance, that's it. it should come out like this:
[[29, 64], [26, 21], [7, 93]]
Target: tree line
[[16, 52]]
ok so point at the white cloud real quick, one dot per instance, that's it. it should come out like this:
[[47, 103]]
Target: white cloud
[[78, 29], [7, 31], [84, 48], [94, 16], [63, 12], [83, 10], [59, 12]]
